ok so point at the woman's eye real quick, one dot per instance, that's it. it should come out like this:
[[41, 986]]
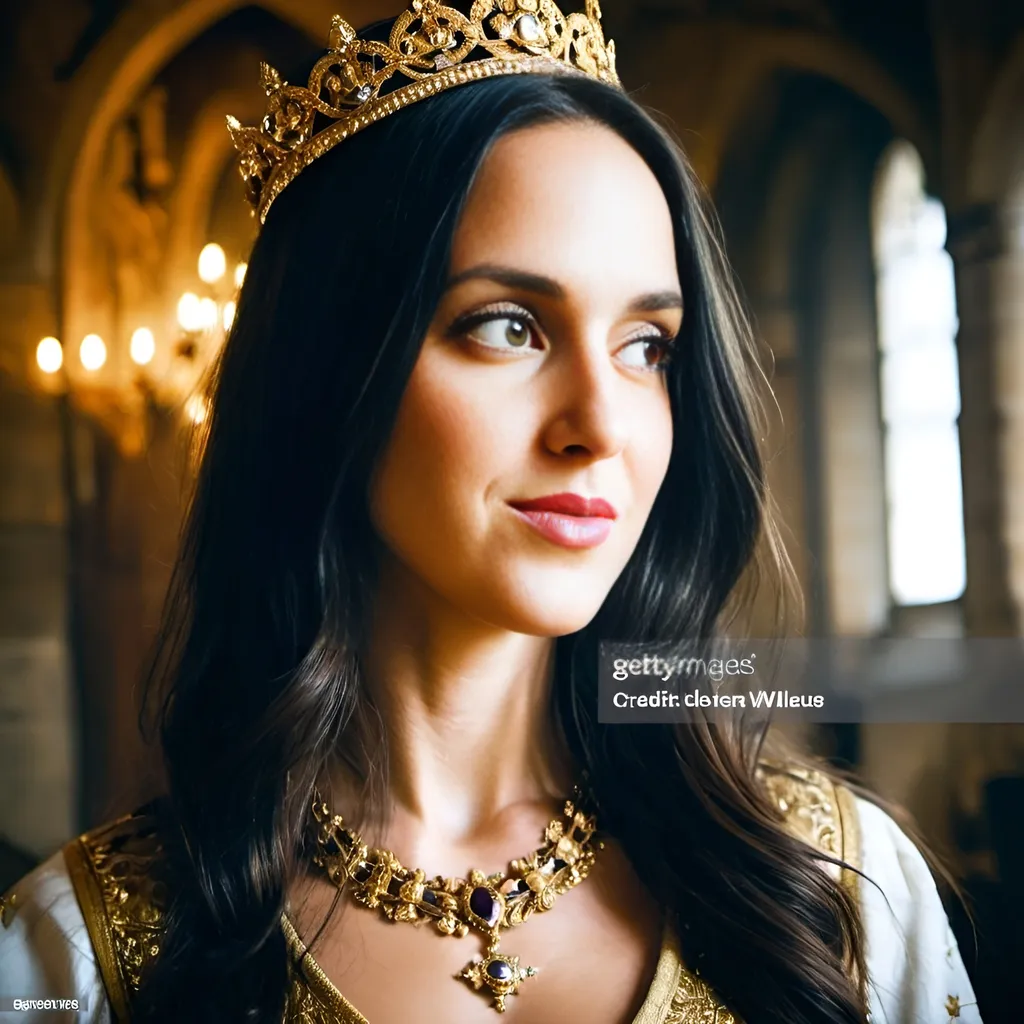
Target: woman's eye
[[503, 332], [651, 353]]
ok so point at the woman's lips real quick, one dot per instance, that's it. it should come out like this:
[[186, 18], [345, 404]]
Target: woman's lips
[[568, 519]]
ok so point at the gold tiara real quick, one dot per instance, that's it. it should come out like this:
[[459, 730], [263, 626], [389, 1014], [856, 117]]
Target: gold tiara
[[428, 45]]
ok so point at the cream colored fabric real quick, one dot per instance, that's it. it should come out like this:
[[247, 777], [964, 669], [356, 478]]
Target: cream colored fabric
[[915, 971], [916, 975], [45, 952]]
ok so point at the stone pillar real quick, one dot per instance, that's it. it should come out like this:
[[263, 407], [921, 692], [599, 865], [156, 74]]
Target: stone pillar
[[987, 246], [37, 698]]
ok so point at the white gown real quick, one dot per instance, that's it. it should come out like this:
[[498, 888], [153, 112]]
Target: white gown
[[915, 972]]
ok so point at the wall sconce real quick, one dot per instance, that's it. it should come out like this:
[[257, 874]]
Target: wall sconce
[[166, 367]]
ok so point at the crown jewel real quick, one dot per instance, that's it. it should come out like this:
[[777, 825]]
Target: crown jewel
[[429, 46]]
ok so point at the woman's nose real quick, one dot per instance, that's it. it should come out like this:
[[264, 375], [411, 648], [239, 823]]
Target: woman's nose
[[589, 402]]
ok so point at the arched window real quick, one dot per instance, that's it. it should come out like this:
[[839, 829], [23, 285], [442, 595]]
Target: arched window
[[920, 385]]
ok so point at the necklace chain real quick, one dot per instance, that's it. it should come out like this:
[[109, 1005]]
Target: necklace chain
[[490, 903]]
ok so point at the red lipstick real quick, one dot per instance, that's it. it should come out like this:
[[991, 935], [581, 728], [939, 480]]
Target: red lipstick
[[568, 519]]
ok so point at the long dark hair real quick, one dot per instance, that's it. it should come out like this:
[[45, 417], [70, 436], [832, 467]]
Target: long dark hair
[[257, 687]]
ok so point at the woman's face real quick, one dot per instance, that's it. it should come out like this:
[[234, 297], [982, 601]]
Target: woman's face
[[541, 374]]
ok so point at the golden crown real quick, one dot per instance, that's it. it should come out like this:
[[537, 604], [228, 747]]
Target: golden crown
[[429, 44]]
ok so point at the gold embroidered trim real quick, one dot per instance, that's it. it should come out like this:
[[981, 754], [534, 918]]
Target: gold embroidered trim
[[695, 1003], [817, 811], [8, 907], [665, 985], [822, 814], [312, 996], [116, 874], [90, 900], [849, 824]]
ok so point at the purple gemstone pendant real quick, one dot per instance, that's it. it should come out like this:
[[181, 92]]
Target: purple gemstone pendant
[[484, 906], [501, 974]]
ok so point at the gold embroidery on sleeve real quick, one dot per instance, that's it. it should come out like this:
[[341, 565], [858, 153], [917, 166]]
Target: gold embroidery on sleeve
[[816, 811], [312, 997], [695, 1003], [8, 907], [116, 874], [824, 815]]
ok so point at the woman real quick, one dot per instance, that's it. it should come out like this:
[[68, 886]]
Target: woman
[[488, 400]]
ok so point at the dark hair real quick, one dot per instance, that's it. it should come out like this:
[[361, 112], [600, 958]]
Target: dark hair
[[257, 684]]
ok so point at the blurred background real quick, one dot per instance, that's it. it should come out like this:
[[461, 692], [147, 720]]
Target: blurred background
[[867, 160]]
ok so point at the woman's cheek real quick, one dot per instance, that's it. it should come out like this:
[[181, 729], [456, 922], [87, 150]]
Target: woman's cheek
[[437, 466]]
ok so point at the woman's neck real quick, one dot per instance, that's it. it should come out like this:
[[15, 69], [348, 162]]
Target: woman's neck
[[471, 751]]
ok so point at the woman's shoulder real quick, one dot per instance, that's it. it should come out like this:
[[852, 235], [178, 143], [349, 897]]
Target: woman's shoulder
[[87, 921], [916, 974], [45, 949], [914, 961], [818, 810]]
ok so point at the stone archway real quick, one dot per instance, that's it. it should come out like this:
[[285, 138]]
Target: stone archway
[[704, 76], [793, 193], [141, 42], [995, 172]]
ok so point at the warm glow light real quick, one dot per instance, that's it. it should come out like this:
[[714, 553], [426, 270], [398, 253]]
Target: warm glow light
[[190, 314], [240, 270], [143, 346], [49, 355], [196, 408], [208, 314], [92, 352], [229, 315], [212, 263]]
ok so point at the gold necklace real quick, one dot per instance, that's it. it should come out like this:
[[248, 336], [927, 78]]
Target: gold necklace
[[490, 903]]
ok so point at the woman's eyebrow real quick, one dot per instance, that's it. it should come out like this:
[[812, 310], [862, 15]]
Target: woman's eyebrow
[[513, 278]]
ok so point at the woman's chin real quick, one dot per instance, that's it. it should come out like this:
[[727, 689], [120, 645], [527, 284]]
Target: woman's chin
[[563, 601], [547, 626], [548, 615]]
